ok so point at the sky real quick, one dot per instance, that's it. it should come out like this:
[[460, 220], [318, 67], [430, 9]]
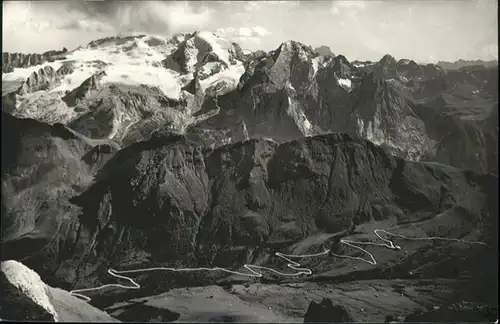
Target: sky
[[425, 31]]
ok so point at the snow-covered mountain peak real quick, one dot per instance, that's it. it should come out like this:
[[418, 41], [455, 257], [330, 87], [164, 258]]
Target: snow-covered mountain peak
[[136, 60], [129, 60], [204, 52], [168, 64], [303, 52]]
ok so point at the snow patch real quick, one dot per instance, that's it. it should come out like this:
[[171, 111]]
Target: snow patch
[[318, 63], [231, 76], [360, 65], [297, 114], [307, 124], [315, 65], [245, 131], [403, 79], [209, 67], [373, 132], [75, 79], [148, 75], [132, 63], [30, 283], [345, 83]]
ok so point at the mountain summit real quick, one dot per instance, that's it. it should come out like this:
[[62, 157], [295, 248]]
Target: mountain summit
[[199, 84]]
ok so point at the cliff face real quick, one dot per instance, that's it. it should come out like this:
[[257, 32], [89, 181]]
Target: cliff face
[[411, 110]]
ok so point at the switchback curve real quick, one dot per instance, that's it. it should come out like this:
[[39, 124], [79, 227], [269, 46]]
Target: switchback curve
[[254, 269]]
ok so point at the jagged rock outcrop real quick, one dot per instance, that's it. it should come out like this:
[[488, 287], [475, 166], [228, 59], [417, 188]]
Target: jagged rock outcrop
[[118, 40], [25, 297], [129, 114], [386, 67], [205, 54], [65, 69], [404, 70], [343, 69], [85, 89], [10, 61], [44, 79], [430, 71], [326, 312], [409, 69], [40, 80]]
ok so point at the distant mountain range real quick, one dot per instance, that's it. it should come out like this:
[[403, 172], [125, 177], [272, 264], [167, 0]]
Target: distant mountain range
[[463, 63]]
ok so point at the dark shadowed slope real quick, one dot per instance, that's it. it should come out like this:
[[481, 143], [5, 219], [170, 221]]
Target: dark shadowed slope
[[42, 167]]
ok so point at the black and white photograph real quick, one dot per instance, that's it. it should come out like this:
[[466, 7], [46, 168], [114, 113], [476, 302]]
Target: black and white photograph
[[249, 161]]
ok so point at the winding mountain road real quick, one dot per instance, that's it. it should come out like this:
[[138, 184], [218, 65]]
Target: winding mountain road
[[253, 270]]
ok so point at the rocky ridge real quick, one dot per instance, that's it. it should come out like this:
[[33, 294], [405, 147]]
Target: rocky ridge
[[11, 61], [284, 99], [465, 63]]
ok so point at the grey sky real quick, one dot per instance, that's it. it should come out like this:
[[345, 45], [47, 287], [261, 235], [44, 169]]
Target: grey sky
[[425, 31]]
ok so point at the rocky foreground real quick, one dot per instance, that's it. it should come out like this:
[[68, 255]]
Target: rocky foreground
[[25, 297]]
